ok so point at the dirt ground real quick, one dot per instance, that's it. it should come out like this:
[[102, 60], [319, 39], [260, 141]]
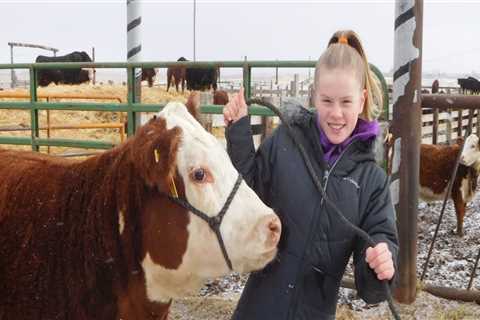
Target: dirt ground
[[425, 307]]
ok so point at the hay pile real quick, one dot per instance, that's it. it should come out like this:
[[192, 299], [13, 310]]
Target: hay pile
[[21, 118]]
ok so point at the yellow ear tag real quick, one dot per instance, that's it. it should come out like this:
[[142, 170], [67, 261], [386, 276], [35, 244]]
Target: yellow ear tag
[[173, 189], [157, 156]]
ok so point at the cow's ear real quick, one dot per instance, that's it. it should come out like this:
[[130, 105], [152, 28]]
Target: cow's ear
[[459, 141], [154, 152], [193, 104]]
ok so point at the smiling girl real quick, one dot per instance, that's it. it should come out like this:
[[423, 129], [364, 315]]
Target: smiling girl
[[315, 246]]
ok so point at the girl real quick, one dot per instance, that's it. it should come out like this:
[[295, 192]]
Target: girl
[[315, 247]]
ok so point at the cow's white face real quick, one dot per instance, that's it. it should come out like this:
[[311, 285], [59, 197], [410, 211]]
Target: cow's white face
[[471, 151], [250, 229]]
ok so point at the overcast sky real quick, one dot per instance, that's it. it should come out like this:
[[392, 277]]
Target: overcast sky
[[232, 29]]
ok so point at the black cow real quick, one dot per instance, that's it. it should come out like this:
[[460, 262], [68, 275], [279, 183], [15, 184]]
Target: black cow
[[469, 85], [176, 75], [202, 78], [149, 75], [67, 76]]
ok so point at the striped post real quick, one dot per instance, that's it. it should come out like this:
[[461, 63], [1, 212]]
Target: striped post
[[406, 128], [134, 48]]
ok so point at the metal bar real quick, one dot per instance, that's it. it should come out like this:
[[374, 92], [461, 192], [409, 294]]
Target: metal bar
[[407, 135], [16, 140], [131, 121], [12, 71], [164, 64], [453, 294], [20, 44], [472, 274], [80, 106], [246, 69], [255, 109], [383, 84], [446, 101], [34, 112], [435, 126], [48, 128], [111, 125], [20, 95], [74, 143], [57, 143]]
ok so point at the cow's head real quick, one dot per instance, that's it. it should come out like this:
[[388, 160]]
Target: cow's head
[[84, 76], [471, 151], [180, 249]]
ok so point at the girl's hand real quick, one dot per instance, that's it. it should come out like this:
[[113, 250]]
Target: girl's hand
[[235, 108], [379, 258]]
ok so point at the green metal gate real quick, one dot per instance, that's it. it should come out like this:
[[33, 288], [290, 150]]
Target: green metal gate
[[131, 107]]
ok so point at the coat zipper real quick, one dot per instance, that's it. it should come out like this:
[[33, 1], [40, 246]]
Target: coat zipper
[[327, 172], [326, 175]]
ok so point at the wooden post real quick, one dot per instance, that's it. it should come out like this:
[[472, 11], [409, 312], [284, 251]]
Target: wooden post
[[435, 126], [294, 86], [448, 132], [470, 120], [460, 123]]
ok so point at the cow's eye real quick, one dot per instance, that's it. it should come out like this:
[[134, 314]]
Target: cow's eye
[[199, 174]]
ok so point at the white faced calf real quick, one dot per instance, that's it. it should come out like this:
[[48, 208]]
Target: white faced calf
[[249, 229], [436, 166]]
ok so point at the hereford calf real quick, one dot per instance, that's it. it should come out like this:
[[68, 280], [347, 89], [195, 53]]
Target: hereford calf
[[436, 166], [112, 237]]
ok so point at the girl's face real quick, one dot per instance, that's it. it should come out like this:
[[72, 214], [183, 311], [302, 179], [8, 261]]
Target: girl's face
[[339, 100]]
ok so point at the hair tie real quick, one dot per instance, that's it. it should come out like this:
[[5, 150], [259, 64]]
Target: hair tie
[[343, 40]]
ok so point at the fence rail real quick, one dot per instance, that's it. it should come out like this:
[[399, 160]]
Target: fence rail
[[130, 106]]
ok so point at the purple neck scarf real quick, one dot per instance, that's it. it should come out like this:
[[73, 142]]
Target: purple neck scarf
[[364, 131]]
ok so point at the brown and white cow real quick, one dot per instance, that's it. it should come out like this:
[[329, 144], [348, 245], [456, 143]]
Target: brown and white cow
[[100, 239], [220, 97], [436, 167]]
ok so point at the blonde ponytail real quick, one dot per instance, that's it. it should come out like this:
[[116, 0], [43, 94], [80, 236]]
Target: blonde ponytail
[[346, 51]]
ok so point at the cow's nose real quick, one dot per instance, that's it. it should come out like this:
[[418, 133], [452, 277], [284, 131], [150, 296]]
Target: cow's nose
[[273, 227]]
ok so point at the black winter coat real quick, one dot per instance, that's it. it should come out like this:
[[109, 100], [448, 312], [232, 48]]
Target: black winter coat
[[315, 246]]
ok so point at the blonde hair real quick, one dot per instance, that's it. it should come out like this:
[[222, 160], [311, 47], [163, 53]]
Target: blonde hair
[[345, 51]]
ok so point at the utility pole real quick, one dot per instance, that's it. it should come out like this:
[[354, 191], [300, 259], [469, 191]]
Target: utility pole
[[194, 29]]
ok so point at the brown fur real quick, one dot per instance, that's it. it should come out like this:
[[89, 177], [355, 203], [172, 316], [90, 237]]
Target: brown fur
[[220, 97], [436, 167], [176, 75], [149, 75], [193, 104], [61, 252]]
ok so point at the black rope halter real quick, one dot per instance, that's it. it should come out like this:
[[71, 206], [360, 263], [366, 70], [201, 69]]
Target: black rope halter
[[215, 221], [308, 163]]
